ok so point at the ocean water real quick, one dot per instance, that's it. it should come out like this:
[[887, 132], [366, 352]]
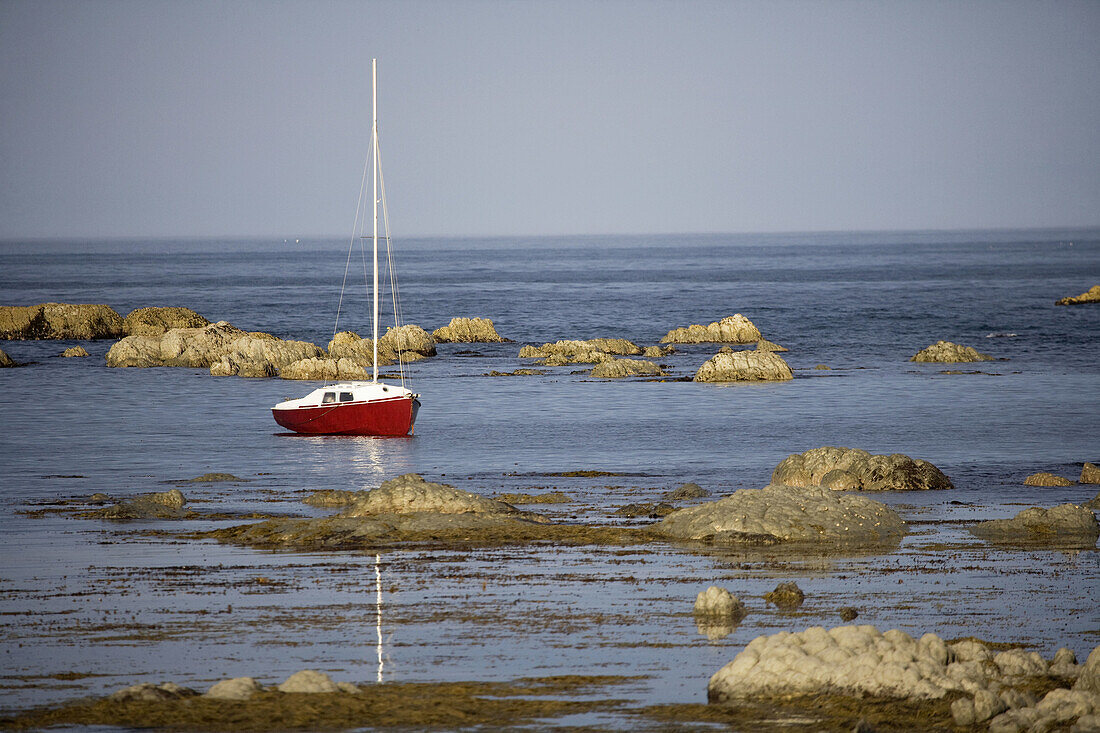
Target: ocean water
[[861, 303]]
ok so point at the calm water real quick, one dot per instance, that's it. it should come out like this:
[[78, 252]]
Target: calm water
[[860, 303]]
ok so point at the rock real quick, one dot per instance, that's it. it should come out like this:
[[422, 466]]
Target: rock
[[1093, 503], [617, 368], [360, 351], [856, 469], [59, 321], [553, 497], [823, 367], [238, 688], [1060, 525], [516, 373], [1089, 678], [786, 596], [309, 681], [468, 330], [689, 490], [262, 356], [156, 322], [847, 613], [411, 493], [717, 612], [656, 352], [324, 369], [211, 478], [1059, 706], [179, 347], [1046, 479], [592, 351], [162, 505], [75, 351], [744, 366], [945, 351], [779, 513], [334, 497], [765, 345], [5, 360], [1092, 295], [406, 340], [735, 329], [651, 510], [148, 692], [1090, 474], [411, 341]]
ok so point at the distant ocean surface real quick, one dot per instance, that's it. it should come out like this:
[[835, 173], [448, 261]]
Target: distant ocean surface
[[860, 303]]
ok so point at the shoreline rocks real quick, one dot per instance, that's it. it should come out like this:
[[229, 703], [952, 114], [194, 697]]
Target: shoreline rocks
[[74, 352], [854, 469], [160, 505], [1063, 525], [1092, 295], [947, 352], [323, 369], [573, 351], [619, 368], [157, 321], [1090, 474], [744, 366], [1046, 479], [178, 347], [735, 329], [6, 361], [262, 355], [63, 321], [468, 330]]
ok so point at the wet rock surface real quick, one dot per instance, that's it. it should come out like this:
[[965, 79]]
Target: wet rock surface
[[159, 505], [779, 513], [5, 360], [649, 509], [946, 351], [854, 469], [1090, 474], [744, 366], [75, 352], [59, 321], [690, 490], [1063, 525], [157, 321], [735, 329], [1046, 479], [410, 493], [468, 330], [717, 613], [619, 368], [787, 596], [1092, 295]]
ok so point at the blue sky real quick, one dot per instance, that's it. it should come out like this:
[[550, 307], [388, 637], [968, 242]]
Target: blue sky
[[145, 119]]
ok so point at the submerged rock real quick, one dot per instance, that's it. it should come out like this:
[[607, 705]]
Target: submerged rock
[[779, 513], [786, 595], [844, 469], [651, 510], [158, 321], [1065, 524], [468, 330], [1090, 474], [211, 478], [59, 321], [160, 505], [262, 356], [334, 497], [735, 329], [945, 351], [744, 366], [75, 352], [5, 360], [323, 369], [618, 368], [1046, 479], [1092, 295]]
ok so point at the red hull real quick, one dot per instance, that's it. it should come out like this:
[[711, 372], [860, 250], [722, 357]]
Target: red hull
[[393, 416]]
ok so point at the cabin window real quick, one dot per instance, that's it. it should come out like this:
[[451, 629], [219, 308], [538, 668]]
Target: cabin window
[[329, 397], [347, 397]]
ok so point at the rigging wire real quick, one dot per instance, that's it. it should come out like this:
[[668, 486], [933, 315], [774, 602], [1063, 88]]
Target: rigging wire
[[351, 244]]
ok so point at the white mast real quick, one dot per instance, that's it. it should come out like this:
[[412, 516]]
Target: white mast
[[374, 205]]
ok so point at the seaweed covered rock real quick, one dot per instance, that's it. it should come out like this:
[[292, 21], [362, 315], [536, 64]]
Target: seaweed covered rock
[[945, 351], [735, 329], [572, 351], [1060, 707], [778, 513], [1046, 479], [411, 493], [787, 596], [179, 347], [323, 369], [468, 330], [1092, 295], [1063, 525], [334, 498], [262, 355], [74, 352], [618, 368], [1090, 474], [744, 366], [156, 321], [5, 360], [690, 490], [59, 321], [160, 505], [843, 469]]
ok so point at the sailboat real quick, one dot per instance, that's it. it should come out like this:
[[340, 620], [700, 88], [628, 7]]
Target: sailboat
[[359, 408]]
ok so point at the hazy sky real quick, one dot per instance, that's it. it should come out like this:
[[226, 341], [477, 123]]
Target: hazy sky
[[252, 118]]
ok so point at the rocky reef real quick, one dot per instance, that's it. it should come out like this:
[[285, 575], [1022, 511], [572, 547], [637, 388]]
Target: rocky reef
[[862, 662], [1061, 526], [156, 321], [1046, 479], [945, 351], [159, 505], [778, 513], [59, 321], [323, 369], [853, 469], [572, 351], [1092, 295], [179, 347], [468, 330], [744, 366], [735, 329], [262, 355], [5, 360], [75, 352], [1090, 474], [618, 368], [410, 341]]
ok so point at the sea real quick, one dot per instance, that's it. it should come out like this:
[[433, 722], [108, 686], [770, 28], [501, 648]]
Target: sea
[[88, 606]]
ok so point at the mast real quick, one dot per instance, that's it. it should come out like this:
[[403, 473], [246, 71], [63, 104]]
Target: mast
[[374, 198]]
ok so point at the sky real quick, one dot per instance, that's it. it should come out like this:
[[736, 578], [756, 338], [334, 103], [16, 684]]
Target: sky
[[194, 119]]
